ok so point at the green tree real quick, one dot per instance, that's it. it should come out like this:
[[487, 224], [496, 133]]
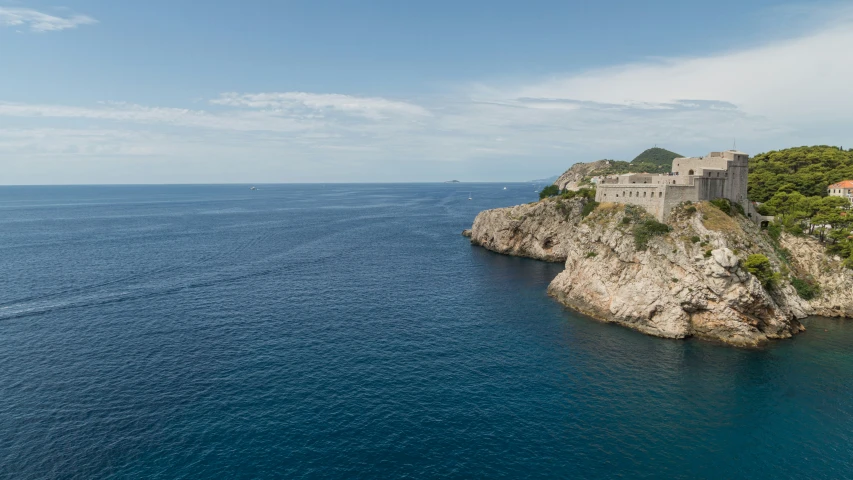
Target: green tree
[[549, 191], [760, 266]]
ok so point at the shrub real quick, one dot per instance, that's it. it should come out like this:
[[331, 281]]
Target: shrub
[[591, 254], [626, 220], [588, 208], [645, 230], [736, 207], [695, 239], [727, 207], [690, 210], [549, 191], [587, 193], [774, 230], [708, 253], [723, 204], [807, 289], [796, 230], [760, 266]]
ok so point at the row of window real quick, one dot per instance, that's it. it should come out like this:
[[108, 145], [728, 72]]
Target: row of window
[[631, 194]]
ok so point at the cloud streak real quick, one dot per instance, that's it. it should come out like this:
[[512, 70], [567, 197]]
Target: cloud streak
[[41, 22], [368, 107]]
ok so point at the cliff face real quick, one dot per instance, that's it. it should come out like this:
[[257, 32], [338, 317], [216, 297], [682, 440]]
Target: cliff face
[[688, 282], [570, 179], [836, 282]]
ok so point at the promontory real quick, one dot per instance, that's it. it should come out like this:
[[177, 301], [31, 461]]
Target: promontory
[[686, 252]]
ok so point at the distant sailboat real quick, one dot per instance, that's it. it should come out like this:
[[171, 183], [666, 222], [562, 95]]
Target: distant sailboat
[[504, 188], [469, 196], [253, 188]]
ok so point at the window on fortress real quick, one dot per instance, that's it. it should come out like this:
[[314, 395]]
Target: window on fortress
[[644, 194], [660, 194], [690, 172]]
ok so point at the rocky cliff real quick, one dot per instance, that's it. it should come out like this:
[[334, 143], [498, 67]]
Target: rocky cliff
[[687, 282], [570, 179]]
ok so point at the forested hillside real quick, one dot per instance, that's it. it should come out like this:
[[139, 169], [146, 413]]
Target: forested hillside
[[792, 184], [807, 170]]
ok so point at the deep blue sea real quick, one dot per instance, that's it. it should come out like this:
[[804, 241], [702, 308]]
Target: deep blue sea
[[349, 331]]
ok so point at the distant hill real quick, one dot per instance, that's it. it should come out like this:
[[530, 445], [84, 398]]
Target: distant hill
[[656, 156], [653, 160], [546, 180]]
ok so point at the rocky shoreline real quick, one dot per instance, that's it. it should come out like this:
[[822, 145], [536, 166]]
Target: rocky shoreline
[[689, 282]]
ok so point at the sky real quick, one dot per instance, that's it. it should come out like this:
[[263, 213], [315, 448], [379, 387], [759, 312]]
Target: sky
[[263, 91]]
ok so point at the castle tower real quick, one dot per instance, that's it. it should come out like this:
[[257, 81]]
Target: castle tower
[[738, 170]]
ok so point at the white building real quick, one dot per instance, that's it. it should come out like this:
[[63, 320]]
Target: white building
[[841, 189]]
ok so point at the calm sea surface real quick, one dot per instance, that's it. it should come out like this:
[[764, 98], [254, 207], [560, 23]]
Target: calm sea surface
[[349, 331]]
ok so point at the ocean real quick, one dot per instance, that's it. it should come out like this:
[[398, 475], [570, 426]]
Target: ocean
[[350, 331]]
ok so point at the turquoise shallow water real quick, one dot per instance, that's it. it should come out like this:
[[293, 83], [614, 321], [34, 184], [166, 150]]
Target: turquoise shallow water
[[349, 331]]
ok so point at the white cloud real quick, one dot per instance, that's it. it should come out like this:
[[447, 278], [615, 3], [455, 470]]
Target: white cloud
[[369, 107], [789, 80], [41, 22]]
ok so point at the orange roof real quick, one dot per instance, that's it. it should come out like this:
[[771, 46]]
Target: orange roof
[[842, 184]]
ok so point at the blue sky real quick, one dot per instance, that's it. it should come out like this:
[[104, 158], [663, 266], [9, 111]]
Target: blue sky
[[97, 91]]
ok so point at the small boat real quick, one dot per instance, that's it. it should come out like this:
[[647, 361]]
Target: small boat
[[504, 188], [469, 196], [253, 188]]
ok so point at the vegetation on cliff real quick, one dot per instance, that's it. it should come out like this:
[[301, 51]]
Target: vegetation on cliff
[[760, 266], [549, 191]]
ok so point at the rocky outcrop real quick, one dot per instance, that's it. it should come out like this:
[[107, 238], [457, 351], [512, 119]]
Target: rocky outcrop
[[570, 179], [688, 282], [809, 259]]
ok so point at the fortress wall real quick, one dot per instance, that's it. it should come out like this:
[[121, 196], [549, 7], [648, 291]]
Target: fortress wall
[[647, 195], [718, 175], [676, 194], [711, 187]]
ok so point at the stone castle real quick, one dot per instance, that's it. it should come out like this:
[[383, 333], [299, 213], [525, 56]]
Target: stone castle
[[717, 175]]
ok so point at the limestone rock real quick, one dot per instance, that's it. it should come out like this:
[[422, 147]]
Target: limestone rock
[[571, 178], [672, 289]]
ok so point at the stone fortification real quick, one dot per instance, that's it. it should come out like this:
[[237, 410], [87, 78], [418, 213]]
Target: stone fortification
[[717, 175]]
